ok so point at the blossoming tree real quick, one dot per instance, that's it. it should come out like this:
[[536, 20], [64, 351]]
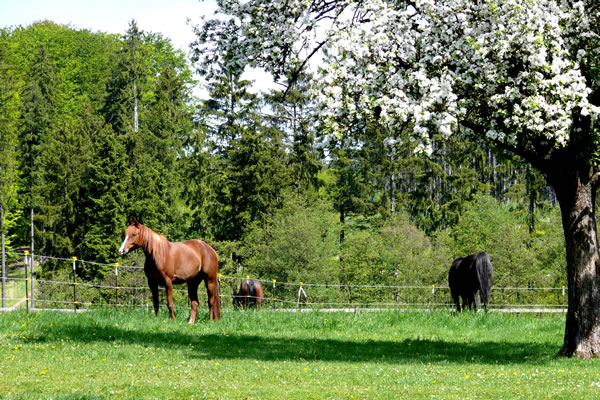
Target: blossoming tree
[[520, 74]]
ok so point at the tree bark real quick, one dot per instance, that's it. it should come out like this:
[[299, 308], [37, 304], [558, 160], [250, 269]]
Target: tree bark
[[3, 254], [576, 192]]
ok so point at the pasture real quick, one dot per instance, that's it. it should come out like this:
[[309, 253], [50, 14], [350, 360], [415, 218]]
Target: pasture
[[274, 355]]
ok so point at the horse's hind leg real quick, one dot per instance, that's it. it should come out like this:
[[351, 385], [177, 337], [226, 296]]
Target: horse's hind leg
[[193, 295], [457, 302], [154, 290], [456, 299], [169, 288], [212, 289]]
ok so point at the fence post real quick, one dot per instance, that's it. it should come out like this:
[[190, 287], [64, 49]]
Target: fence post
[[31, 260], [74, 285], [433, 295], [274, 296], [248, 295], [300, 293], [563, 295], [117, 285], [26, 265]]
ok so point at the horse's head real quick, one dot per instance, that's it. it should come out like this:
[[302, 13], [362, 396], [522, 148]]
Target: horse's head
[[240, 298], [133, 239]]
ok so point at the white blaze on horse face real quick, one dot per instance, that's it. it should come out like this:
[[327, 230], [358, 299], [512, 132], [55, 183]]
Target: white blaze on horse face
[[122, 248]]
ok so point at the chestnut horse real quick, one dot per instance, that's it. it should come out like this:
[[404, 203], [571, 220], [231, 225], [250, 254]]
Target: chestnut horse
[[250, 294], [168, 263], [470, 275]]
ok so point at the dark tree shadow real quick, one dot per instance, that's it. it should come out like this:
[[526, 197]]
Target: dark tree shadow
[[244, 346]]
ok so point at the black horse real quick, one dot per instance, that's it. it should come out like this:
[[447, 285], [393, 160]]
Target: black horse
[[467, 276]]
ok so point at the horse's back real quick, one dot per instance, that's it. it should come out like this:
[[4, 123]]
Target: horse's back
[[203, 249], [192, 257]]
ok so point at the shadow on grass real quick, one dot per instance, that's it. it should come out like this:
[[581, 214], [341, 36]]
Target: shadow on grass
[[266, 348]]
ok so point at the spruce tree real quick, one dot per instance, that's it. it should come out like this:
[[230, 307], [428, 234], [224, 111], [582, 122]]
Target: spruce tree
[[248, 169], [40, 102], [8, 152], [102, 219], [293, 114]]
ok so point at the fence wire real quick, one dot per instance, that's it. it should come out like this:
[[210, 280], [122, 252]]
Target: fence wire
[[125, 286]]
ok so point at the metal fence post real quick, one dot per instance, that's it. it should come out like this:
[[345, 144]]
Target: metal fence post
[[74, 285], [25, 264], [274, 296], [300, 293], [116, 285], [31, 260]]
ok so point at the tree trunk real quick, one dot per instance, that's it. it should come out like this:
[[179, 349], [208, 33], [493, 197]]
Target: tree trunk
[[3, 254], [576, 192]]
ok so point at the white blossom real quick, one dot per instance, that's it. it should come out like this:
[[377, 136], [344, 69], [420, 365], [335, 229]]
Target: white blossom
[[434, 63], [511, 57]]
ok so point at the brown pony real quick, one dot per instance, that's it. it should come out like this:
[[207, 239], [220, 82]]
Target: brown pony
[[250, 294], [168, 263]]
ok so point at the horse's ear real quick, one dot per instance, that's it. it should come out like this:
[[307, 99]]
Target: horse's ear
[[133, 221]]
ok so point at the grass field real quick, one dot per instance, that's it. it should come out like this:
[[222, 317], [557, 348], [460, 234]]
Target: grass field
[[277, 355]]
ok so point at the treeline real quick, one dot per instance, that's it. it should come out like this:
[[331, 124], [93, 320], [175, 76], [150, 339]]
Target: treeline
[[96, 128]]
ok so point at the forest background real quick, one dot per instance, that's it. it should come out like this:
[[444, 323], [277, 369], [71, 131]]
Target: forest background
[[96, 128]]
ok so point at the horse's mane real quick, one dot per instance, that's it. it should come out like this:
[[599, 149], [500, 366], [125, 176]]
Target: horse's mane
[[153, 243], [251, 283]]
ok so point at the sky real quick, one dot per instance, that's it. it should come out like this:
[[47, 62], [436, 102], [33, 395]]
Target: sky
[[169, 17]]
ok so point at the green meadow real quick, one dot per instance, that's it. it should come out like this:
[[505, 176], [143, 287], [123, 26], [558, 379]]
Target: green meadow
[[278, 355]]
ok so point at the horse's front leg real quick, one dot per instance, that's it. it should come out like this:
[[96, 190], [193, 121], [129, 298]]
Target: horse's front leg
[[169, 288], [472, 301], [154, 290], [475, 303]]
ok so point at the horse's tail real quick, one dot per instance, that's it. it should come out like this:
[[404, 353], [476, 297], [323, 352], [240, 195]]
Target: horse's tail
[[217, 303], [259, 293], [485, 276]]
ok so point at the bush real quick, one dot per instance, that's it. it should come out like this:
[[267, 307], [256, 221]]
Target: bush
[[297, 243], [393, 254]]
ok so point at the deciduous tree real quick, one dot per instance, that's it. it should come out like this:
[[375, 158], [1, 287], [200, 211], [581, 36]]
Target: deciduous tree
[[519, 74]]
